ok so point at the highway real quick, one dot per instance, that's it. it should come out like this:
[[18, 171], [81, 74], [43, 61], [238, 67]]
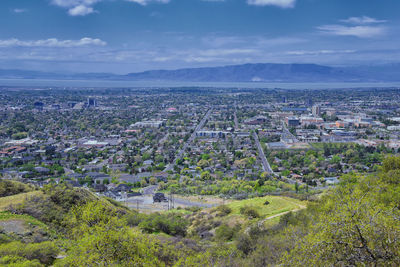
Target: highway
[[265, 163]]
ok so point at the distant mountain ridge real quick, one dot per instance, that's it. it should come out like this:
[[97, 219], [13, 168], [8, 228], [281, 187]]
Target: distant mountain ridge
[[260, 72]]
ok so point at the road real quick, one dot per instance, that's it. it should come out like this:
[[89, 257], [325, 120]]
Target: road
[[187, 143], [235, 120], [189, 203], [265, 163], [164, 139], [287, 136]]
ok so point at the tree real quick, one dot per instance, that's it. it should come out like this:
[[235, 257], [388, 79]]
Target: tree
[[355, 224], [153, 180], [205, 175], [100, 238]]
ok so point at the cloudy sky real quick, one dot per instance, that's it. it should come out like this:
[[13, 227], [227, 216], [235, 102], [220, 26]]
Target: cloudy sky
[[124, 36]]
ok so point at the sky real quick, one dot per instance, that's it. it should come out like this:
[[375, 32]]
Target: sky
[[123, 36]]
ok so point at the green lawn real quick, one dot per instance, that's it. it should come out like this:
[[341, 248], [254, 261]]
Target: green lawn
[[320, 146]]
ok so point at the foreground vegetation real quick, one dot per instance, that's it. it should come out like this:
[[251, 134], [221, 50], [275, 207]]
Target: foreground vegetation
[[355, 223]]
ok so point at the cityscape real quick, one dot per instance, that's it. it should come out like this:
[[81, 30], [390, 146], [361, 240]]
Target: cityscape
[[178, 133]]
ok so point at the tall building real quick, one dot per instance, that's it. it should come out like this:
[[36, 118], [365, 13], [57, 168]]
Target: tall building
[[316, 111], [309, 102], [38, 105], [292, 121], [91, 102]]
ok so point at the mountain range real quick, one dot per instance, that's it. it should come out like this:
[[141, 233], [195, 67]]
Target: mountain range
[[260, 72]]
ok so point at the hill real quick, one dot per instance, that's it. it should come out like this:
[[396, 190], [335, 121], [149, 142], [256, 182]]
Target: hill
[[261, 72]]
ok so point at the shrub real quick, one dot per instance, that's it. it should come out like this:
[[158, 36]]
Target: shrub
[[19, 261], [193, 209], [249, 211], [135, 218], [172, 224], [224, 233], [223, 210], [244, 243], [45, 252], [9, 188]]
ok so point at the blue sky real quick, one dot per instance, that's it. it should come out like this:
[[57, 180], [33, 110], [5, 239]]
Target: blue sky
[[124, 36]]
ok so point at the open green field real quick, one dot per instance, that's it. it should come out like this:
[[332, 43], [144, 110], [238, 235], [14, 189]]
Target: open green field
[[276, 206], [15, 199], [320, 146]]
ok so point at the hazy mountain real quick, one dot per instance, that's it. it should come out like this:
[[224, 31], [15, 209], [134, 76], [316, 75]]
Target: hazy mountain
[[236, 73]]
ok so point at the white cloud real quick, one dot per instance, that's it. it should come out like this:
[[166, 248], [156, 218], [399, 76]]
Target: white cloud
[[145, 2], [357, 31], [52, 42], [77, 7], [19, 10], [362, 20], [74, 3], [80, 10], [278, 3], [225, 52], [319, 52]]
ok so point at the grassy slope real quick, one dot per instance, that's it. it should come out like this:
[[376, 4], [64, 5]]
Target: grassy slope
[[276, 205], [16, 199], [269, 214]]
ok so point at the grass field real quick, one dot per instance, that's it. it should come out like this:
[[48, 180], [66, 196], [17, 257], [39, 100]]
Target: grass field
[[320, 146], [277, 206], [15, 199]]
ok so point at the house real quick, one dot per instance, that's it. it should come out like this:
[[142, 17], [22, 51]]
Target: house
[[128, 178], [147, 162], [42, 170], [161, 176], [331, 180], [98, 177], [100, 188], [122, 188], [75, 176]]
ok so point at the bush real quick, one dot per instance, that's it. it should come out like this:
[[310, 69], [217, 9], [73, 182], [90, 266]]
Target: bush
[[223, 210], [171, 224], [135, 218], [249, 211], [193, 208], [53, 207], [244, 243], [18, 261], [45, 252], [225, 233], [9, 188]]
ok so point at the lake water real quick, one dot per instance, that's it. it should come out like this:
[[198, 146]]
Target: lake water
[[158, 84]]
